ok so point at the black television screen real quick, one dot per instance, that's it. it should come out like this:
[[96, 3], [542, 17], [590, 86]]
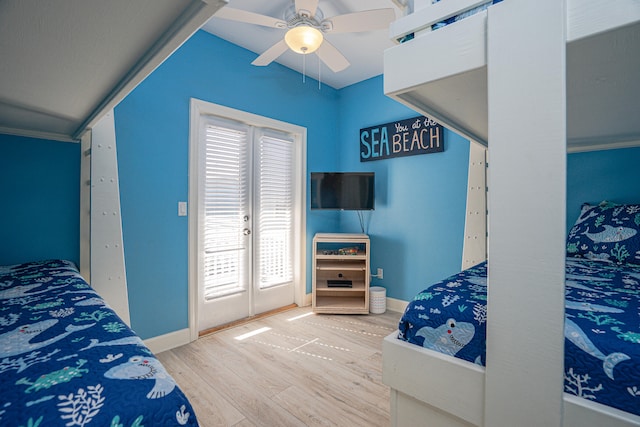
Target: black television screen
[[343, 190]]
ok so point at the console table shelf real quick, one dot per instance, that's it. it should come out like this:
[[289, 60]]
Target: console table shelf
[[342, 257]]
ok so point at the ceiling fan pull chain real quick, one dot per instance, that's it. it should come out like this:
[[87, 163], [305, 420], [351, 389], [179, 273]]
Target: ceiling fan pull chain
[[319, 73], [304, 63]]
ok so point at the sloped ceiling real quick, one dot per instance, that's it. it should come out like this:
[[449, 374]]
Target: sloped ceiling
[[64, 63]]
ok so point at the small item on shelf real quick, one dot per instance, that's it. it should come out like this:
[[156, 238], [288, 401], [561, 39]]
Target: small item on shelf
[[348, 251], [338, 283]]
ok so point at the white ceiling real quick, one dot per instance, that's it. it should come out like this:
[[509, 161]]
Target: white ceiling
[[64, 63], [363, 50]]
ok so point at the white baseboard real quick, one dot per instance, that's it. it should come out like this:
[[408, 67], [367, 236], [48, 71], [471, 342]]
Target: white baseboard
[[168, 341], [393, 304], [397, 305], [307, 300]]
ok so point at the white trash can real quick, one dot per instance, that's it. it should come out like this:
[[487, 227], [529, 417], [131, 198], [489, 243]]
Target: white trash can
[[377, 300]]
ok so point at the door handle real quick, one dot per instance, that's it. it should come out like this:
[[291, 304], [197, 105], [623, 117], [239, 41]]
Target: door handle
[[246, 231]]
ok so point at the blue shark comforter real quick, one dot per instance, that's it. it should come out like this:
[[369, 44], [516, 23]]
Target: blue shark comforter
[[463, 15], [66, 358], [602, 327]]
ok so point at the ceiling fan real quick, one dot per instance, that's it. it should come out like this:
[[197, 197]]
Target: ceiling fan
[[306, 24]]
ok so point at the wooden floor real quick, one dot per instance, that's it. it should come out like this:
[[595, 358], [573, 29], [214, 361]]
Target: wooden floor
[[298, 369]]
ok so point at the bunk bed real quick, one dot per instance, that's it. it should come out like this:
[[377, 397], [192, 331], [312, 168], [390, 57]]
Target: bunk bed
[[602, 40], [601, 327], [469, 77], [67, 359]]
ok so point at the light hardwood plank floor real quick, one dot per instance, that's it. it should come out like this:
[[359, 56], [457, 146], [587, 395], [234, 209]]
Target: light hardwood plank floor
[[298, 369]]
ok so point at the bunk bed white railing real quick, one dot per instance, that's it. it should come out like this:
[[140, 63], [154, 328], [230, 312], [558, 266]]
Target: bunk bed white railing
[[423, 72], [542, 78]]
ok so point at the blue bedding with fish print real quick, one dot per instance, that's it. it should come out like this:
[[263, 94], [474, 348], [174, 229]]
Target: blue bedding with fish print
[[602, 327], [66, 358], [463, 15]]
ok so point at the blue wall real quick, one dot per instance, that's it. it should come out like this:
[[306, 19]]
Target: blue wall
[[152, 130], [40, 215], [417, 227], [592, 177], [414, 245]]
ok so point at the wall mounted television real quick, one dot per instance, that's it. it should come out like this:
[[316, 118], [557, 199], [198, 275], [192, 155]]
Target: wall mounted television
[[343, 190]]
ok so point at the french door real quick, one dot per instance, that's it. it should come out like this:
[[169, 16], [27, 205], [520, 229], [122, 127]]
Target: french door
[[247, 219]]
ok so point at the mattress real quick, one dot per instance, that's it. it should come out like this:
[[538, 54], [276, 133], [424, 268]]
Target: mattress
[[602, 327], [67, 359]]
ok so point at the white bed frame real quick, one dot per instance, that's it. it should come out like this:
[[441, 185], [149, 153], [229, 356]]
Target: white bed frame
[[433, 389], [536, 79]]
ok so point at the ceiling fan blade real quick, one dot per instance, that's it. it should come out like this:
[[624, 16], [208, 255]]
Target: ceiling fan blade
[[249, 17], [367, 20], [305, 7], [269, 55], [332, 57]]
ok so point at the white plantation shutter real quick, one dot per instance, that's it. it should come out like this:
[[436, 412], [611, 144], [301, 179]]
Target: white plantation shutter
[[275, 209], [225, 199]]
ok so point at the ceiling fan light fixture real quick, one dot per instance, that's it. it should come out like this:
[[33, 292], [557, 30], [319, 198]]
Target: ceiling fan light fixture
[[303, 39]]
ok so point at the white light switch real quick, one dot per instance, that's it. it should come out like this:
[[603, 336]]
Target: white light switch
[[182, 208]]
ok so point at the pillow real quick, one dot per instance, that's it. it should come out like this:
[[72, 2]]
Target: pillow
[[606, 232]]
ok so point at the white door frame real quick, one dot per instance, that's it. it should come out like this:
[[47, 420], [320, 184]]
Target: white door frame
[[198, 108]]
